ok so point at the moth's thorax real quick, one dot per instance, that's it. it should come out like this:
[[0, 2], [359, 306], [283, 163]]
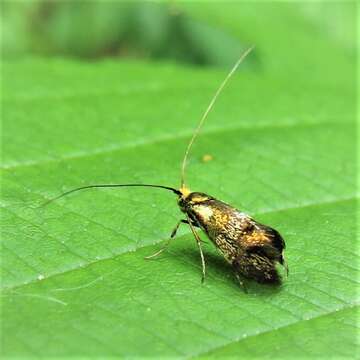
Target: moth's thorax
[[210, 213]]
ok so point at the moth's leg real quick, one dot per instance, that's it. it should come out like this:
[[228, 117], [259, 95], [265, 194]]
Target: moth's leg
[[173, 233], [198, 241], [193, 223], [241, 282], [285, 264], [239, 278]]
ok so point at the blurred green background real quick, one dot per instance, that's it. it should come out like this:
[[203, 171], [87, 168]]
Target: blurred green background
[[201, 33], [92, 30]]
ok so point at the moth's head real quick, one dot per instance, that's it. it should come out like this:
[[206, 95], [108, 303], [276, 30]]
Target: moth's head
[[188, 199]]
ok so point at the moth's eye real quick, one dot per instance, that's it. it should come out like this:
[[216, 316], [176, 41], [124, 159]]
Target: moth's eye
[[181, 202]]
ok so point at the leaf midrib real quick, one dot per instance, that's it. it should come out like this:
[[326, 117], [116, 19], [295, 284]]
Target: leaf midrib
[[170, 138]]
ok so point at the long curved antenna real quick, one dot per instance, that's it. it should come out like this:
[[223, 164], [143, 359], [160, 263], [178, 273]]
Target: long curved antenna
[[177, 192], [206, 113]]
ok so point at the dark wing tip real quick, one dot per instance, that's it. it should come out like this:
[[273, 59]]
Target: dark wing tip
[[271, 277]]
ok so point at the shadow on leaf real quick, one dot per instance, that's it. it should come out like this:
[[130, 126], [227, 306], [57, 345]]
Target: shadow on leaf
[[218, 269]]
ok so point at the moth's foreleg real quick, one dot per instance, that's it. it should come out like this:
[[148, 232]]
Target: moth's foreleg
[[173, 233], [198, 241]]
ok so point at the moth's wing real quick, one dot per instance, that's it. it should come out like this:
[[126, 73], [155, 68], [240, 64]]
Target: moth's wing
[[265, 239], [277, 244], [277, 240], [262, 246], [256, 266]]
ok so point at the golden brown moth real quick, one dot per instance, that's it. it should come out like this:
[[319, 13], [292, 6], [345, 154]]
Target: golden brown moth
[[253, 249]]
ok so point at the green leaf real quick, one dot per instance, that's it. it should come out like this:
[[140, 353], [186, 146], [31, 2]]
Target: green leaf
[[282, 139]]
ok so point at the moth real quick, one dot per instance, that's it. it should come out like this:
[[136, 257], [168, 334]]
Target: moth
[[253, 249]]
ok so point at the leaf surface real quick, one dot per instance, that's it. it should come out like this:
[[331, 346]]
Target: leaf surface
[[282, 141]]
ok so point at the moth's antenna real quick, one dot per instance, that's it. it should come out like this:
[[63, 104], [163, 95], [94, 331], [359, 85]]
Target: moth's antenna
[[206, 113], [177, 192]]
